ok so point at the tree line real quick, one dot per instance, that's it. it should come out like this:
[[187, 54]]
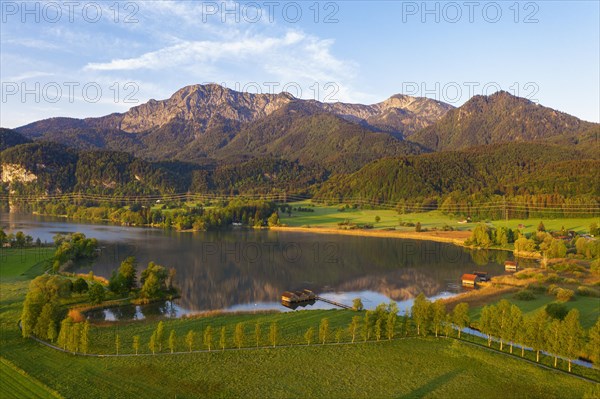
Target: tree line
[[200, 217]]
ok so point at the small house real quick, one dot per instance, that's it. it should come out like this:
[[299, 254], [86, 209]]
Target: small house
[[470, 280], [510, 266]]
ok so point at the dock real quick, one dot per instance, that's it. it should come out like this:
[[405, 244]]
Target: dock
[[341, 305]]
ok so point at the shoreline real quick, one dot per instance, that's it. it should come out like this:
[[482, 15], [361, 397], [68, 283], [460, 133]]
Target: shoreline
[[449, 237]]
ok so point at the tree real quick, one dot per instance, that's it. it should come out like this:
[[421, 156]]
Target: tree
[[391, 324], [136, 344], [273, 220], [366, 330], [208, 337], [438, 314], [273, 333], [172, 341], [418, 227], [357, 304], [189, 340], [460, 317], [52, 333], [378, 329], [481, 236], [523, 244], [572, 336], [354, 326], [238, 336], [257, 333], [535, 335], [377, 219], [309, 335], [160, 330], [486, 323], [85, 337], [420, 313], [96, 293], [515, 325], [222, 338], [152, 343], [323, 330], [557, 249], [594, 342], [44, 320], [541, 226], [502, 321], [447, 324], [74, 335], [65, 331], [153, 280], [554, 339]]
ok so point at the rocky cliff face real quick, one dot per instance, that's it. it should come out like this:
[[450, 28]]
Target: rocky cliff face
[[398, 114], [197, 105]]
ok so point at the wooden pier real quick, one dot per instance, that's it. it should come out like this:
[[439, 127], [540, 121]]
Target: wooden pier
[[341, 305]]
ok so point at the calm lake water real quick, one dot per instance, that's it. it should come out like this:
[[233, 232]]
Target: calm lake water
[[248, 269]]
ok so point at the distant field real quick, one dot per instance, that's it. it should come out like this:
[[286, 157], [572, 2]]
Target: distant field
[[329, 216]]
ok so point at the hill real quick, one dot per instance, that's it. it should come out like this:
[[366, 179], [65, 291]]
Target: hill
[[500, 117]]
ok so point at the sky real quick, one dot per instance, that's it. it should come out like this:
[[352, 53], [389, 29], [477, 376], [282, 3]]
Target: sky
[[92, 58]]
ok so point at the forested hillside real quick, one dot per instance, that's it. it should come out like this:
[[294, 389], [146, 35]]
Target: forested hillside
[[527, 173]]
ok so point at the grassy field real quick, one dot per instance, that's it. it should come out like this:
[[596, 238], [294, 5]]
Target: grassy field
[[329, 216], [15, 383], [15, 263], [411, 367]]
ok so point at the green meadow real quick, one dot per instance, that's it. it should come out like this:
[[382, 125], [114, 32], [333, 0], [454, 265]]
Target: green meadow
[[330, 216]]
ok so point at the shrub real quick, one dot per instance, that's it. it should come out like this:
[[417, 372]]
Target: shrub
[[80, 285], [524, 295], [556, 310], [553, 278], [587, 291], [552, 289], [537, 288], [564, 295]]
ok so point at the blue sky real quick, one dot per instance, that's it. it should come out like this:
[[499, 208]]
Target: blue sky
[[86, 58]]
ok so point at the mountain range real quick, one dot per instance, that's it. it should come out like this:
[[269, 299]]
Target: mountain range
[[208, 137]]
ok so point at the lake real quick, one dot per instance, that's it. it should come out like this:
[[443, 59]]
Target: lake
[[249, 269]]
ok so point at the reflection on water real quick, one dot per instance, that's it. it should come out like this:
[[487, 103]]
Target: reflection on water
[[248, 270]]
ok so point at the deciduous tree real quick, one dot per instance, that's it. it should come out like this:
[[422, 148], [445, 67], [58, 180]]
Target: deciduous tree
[[189, 340], [136, 344], [460, 316], [208, 337], [323, 330], [309, 335], [238, 337], [353, 327]]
